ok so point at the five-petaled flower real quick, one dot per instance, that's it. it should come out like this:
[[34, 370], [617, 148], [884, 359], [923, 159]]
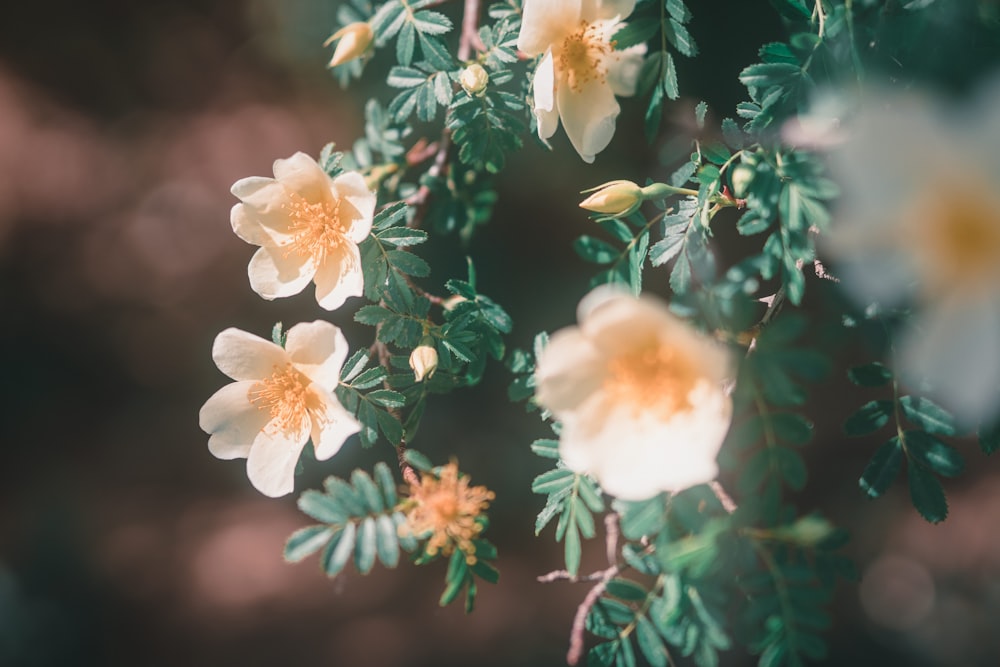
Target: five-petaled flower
[[444, 509], [308, 227], [640, 394], [580, 72], [280, 399]]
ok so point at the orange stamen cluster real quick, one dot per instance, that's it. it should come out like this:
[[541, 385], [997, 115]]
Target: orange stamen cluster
[[446, 508], [288, 398], [316, 227], [651, 377], [581, 55]]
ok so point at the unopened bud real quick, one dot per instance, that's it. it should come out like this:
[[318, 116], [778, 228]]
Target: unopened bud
[[741, 177], [616, 198], [423, 361], [452, 301], [355, 39], [474, 79]]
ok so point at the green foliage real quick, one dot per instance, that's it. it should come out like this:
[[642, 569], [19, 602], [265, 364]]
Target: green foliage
[[359, 518], [572, 497], [926, 455]]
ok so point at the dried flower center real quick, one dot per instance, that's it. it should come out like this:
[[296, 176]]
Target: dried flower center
[[580, 57], [959, 242], [316, 227], [287, 396], [651, 377], [446, 507]]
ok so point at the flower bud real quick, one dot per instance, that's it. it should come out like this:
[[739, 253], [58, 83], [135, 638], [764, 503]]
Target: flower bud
[[423, 361], [616, 198], [452, 301], [355, 39], [741, 177], [474, 79]]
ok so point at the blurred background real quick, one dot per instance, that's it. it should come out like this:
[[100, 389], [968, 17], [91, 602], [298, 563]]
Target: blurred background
[[124, 542]]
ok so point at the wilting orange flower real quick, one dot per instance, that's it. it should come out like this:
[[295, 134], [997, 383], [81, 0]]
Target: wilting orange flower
[[445, 507]]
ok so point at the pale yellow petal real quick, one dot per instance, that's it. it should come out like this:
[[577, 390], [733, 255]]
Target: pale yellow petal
[[545, 22], [244, 356], [274, 274], [272, 459], [318, 349], [340, 277]]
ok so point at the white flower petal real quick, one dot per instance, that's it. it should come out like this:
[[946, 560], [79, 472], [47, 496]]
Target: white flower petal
[[318, 349], [544, 91], [252, 187], [335, 427], [232, 420], [301, 174], [623, 70], [272, 460], [340, 277], [588, 115], [351, 187], [593, 10], [257, 228], [570, 369], [244, 356], [955, 347], [273, 274], [545, 22]]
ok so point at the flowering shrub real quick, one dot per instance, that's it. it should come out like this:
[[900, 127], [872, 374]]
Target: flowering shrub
[[679, 420]]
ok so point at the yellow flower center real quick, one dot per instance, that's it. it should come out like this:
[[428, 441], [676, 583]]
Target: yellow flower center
[[446, 507], [580, 56], [287, 396], [316, 227], [958, 241], [651, 377]]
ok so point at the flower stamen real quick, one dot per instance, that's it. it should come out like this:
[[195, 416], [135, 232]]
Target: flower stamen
[[581, 56], [651, 377], [287, 396], [316, 227]]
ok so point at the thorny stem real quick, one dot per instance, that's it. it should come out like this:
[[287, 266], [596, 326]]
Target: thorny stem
[[468, 42]]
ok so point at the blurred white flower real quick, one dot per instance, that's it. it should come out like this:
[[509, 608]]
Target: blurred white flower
[[639, 393], [281, 399], [308, 227], [580, 72], [919, 226]]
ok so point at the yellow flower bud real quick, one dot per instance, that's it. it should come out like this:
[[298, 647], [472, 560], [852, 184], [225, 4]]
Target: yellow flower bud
[[423, 361], [474, 79], [616, 198], [355, 39]]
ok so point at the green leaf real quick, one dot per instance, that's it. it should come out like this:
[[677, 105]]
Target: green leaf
[[364, 553], [927, 494], [572, 550], [387, 398], [870, 375], [989, 438], [418, 460], [649, 643], [627, 590], [595, 250], [402, 236], [933, 453], [547, 449], [338, 550], [306, 541], [552, 480], [928, 415], [322, 507], [387, 484], [367, 491], [387, 541], [869, 418], [354, 365], [408, 263], [883, 469]]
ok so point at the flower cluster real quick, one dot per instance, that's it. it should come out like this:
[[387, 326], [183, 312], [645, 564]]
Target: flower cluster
[[308, 227], [640, 395], [444, 509]]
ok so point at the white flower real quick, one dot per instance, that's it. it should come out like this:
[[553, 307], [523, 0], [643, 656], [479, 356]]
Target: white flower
[[640, 394], [474, 79], [919, 226], [308, 227], [580, 73], [281, 399]]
